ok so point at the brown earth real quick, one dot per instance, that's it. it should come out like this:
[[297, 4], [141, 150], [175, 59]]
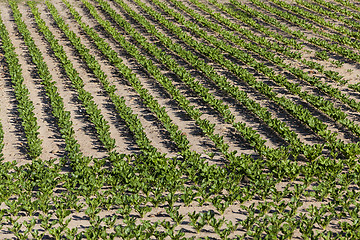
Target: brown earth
[[53, 144]]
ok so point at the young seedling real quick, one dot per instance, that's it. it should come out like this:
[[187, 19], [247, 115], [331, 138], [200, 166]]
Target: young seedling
[[175, 215], [197, 225], [15, 228], [210, 154], [56, 232], [171, 198], [322, 55], [337, 63], [216, 224], [188, 196], [71, 233], [110, 221], [37, 235], [29, 225], [220, 204], [142, 210]]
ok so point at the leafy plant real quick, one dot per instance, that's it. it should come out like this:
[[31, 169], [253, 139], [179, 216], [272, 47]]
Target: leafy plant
[[322, 55]]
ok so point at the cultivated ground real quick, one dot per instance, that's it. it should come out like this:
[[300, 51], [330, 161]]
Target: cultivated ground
[[307, 188]]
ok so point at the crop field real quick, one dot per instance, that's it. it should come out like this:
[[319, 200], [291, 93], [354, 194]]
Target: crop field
[[180, 119]]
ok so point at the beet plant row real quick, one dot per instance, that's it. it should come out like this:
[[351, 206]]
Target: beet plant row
[[94, 113], [317, 101], [334, 15], [297, 111], [57, 104], [177, 135], [195, 114], [133, 185], [324, 87], [248, 133], [347, 40], [25, 106], [221, 206]]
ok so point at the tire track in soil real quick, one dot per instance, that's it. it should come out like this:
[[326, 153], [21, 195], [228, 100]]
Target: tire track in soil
[[152, 127], [63, 85]]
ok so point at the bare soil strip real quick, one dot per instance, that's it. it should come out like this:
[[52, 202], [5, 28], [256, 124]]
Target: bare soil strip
[[137, 192]]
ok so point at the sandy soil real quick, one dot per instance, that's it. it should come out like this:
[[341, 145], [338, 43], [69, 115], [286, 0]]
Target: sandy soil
[[53, 144]]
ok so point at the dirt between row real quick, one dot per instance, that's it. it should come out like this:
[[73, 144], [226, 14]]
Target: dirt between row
[[54, 145]]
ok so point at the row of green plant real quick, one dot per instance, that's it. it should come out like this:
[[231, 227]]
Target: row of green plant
[[325, 160], [124, 111], [250, 21], [195, 114], [135, 184], [195, 169], [350, 5], [45, 181], [85, 97], [280, 61], [298, 34], [245, 18], [286, 50], [25, 106], [348, 53], [340, 9], [334, 92], [310, 152], [333, 47], [57, 104], [320, 20], [122, 172], [225, 85], [207, 195], [248, 133], [317, 101], [84, 180], [201, 167], [317, 41], [350, 23], [39, 174], [356, 15], [178, 137], [296, 110]]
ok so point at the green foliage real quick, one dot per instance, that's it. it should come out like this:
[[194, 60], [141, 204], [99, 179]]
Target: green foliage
[[269, 190], [25, 106], [322, 55]]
